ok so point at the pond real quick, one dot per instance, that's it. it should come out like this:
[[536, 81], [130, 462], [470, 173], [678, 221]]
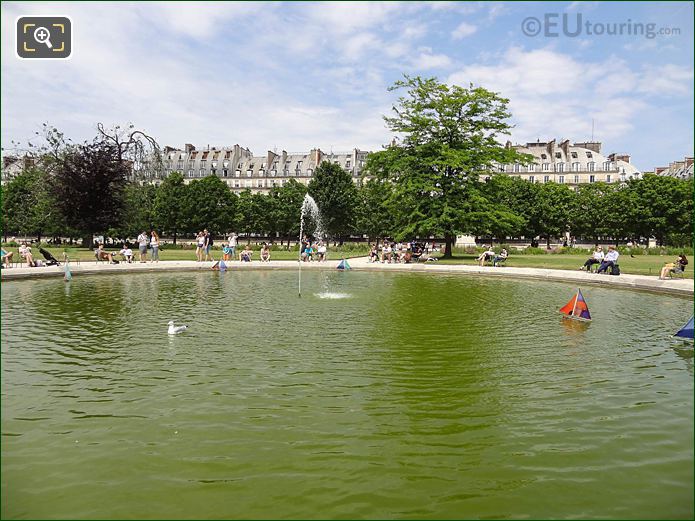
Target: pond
[[374, 395]]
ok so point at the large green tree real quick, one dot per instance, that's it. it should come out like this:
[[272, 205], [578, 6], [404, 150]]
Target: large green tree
[[450, 137], [374, 215], [336, 196], [138, 209], [170, 205], [210, 205], [286, 208]]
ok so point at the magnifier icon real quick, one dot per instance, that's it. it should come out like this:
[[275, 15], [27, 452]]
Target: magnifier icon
[[42, 35]]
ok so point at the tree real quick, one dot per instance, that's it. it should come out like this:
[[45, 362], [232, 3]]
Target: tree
[[169, 205], [551, 213], [374, 215], [210, 205], [249, 216], [286, 208], [336, 196], [89, 187], [449, 138], [590, 210]]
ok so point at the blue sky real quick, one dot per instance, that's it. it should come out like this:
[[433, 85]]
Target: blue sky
[[300, 75]]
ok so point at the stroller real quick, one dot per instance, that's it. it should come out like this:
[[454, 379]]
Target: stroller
[[50, 259]]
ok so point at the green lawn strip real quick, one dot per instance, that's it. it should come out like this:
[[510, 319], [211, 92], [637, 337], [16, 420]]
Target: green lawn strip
[[637, 265]]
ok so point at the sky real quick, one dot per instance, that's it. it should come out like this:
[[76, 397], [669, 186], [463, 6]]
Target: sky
[[295, 76]]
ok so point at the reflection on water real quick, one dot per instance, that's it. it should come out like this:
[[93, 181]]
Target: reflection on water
[[375, 395]]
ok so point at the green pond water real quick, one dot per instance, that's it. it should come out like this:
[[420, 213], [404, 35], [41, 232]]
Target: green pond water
[[375, 395]]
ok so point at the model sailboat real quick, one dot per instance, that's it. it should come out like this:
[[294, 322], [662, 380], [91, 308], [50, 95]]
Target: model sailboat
[[576, 308], [687, 330]]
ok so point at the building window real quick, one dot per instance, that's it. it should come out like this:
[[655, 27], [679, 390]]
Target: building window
[[247, 183], [575, 167], [500, 168], [546, 167], [576, 179], [561, 179], [591, 166], [347, 164], [236, 183], [190, 173], [592, 178], [589, 155], [225, 173], [309, 172], [237, 173], [273, 172], [299, 165], [574, 155], [532, 178], [543, 156], [260, 183], [225, 163], [607, 166], [179, 165], [532, 167], [517, 167], [558, 155], [608, 178], [203, 162], [201, 172], [213, 164], [559, 167], [249, 173], [546, 178]]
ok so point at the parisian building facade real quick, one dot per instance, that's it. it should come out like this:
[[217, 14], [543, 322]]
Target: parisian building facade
[[241, 170], [680, 169], [572, 164]]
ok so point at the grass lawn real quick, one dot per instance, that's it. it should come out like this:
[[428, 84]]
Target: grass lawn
[[637, 265], [175, 254]]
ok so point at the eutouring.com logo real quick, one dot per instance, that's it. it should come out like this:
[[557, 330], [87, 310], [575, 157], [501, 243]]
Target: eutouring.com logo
[[573, 25]]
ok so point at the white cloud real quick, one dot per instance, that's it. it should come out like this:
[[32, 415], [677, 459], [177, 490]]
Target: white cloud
[[553, 94], [426, 60], [464, 29]]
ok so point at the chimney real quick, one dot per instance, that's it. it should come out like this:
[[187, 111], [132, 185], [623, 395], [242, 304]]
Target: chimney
[[284, 157], [189, 148]]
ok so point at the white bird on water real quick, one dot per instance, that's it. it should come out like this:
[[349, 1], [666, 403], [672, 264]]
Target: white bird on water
[[174, 330]]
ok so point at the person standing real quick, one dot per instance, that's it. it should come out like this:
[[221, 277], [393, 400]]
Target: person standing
[[142, 244], [199, 245], [154, 244], [207, 245], [232, 244]]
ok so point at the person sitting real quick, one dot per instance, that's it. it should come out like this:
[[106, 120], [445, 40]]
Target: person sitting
[[308, 253], [500, 258], [265, 253], [127, 254], [596, 258], [373, 254], [7, 258], [609, 261], [321, 252], [245, 254], [227, 253], [674, 267], [25, 253], [102, 255], [487, 255]]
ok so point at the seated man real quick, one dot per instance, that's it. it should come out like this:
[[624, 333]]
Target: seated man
[[609, 261], [322, 252], [25, 253], [127, 254], [487, 255], [7, 258], [500, 258], [102, 254], [245, 254]]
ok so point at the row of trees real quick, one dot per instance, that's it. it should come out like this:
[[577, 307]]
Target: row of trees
[[435, 181]]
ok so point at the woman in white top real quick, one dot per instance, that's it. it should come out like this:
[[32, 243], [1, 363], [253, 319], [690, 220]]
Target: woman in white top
[[154, 244], [322, 252], [200, 244]]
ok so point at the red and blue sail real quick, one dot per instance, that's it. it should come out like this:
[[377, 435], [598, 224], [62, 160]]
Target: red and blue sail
[[576, 307]]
